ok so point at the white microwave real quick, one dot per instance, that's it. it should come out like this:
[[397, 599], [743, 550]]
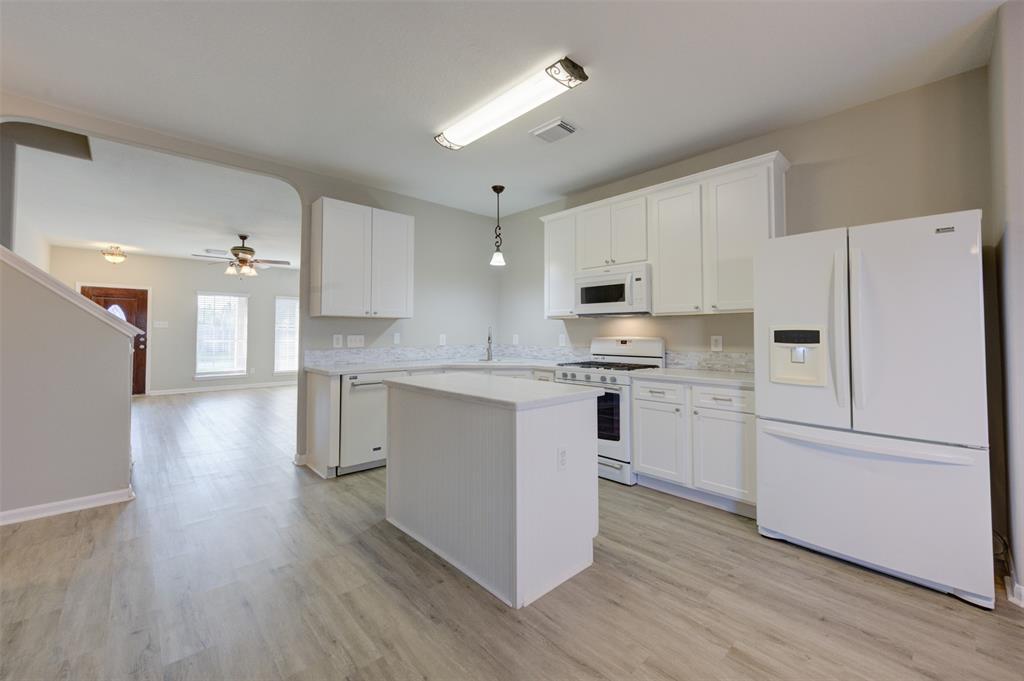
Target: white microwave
[[621, 289]]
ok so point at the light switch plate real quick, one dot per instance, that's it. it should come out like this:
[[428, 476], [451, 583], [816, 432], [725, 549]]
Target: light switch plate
[[442, 339], [515, 339], [339, 340], [356, 340], [160, 325], [397, 338], [561, 340], [716, 344]]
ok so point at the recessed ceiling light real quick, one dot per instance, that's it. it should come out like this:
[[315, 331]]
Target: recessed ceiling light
[[563, 75]]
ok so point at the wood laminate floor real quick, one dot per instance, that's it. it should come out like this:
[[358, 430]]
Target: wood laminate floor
[[234, 564]]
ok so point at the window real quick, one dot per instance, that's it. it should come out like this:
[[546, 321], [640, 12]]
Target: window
[[286, 334], [221, 337]]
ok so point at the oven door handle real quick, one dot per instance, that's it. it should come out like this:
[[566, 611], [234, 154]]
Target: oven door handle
[[616, 466]]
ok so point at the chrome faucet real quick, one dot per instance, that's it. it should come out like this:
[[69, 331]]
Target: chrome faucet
[[490, 345]]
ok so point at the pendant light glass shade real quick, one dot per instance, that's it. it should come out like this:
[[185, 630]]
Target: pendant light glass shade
[[497, 260]]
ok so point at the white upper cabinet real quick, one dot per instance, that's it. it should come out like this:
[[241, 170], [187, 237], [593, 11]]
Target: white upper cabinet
[[594, 238], [703, 231], [560, 267], [629, 231], [737, 217], [361, 261], [391, 264], [675, 229], [612, 234]]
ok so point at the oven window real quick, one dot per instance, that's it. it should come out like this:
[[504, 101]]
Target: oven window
[[608, 410], [607, 293]]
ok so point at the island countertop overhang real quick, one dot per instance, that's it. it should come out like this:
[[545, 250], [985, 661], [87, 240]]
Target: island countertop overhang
[[502, 391]]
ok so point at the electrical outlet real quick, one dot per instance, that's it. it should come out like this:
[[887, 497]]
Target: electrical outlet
[[339, 340], [160, 325], [515, 339], [562, 459], [561, 340], [442, 339], [397, 340], [356, 340], [716, 344]]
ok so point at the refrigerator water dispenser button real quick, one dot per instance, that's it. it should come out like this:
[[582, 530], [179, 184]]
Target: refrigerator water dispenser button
[[798, 355]]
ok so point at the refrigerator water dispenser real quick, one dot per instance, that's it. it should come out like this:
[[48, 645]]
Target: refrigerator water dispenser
[[798, 355]]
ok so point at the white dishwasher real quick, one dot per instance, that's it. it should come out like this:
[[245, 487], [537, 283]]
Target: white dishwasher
[[364, 421]]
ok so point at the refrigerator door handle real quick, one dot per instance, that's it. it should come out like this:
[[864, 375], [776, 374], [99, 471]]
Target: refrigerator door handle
[[858, 331], [840, 333], [895, 449]]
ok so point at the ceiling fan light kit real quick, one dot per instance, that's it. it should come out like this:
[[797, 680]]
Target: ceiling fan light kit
[[242, 261], [562, 76]]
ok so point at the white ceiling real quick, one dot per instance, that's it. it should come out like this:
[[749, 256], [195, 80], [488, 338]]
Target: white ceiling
[[153, 203], [359, 89]]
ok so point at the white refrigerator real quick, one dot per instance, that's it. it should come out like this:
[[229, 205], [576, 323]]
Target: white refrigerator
[[872, 434]]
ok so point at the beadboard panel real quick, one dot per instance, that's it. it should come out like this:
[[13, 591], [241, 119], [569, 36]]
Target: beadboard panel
[[451, 483]]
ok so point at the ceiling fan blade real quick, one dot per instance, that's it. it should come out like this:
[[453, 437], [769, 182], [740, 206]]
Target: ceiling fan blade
[[212, 257], [261, 261], [215, 251]]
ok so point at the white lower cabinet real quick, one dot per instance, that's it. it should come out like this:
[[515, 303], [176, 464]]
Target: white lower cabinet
[[724, 459], [678, 439], [662, 441]]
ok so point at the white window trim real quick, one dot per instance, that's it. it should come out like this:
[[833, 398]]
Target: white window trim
[[213, 375], [288, 372]]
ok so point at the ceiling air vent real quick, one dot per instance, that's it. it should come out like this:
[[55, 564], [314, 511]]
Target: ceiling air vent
[[552, 131]]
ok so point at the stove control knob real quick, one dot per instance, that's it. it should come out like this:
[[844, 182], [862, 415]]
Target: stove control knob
[[614, 380], [587, 377], [565, 374], [572, 375], [604, 379]]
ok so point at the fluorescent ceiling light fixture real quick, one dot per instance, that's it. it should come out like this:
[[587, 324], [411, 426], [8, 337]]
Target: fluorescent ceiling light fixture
[[563, 75]]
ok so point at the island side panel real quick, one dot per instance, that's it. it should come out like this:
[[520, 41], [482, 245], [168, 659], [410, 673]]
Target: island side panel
[[451, 480], [556, 509]]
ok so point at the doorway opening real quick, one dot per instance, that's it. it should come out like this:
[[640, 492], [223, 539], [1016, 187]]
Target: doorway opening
[[131, 305]]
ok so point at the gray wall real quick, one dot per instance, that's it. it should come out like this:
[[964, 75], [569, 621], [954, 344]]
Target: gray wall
[[65, 407], [1006, 87], [449, 242], [174, 283], [914, 153]]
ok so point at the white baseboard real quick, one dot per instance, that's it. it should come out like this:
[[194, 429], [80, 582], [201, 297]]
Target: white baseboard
[[299, 459], [20, 515], [700, 496], [1014, 588], [212, 388]]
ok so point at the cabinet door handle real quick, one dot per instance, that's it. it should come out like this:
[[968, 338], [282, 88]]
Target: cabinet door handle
[[606, 262], [696, 307], [656, 392], [677, 410], [721, 399], [613, 260], [714, 307]]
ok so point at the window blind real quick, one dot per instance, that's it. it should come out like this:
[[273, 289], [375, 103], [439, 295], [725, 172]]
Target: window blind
[[286, 334], [221, 333]]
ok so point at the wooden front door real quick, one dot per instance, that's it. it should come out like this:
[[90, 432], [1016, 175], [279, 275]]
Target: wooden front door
[[131, 305]]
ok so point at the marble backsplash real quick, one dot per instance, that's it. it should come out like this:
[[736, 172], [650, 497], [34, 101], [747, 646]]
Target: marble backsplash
[[708, 361]]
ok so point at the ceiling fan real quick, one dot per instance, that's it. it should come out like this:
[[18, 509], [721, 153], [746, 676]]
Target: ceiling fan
[[242, 259]]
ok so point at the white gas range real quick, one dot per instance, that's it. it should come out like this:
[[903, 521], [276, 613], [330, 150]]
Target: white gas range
[[612, 358]]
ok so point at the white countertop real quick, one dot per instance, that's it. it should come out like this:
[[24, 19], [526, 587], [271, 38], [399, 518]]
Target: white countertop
[[502, 391], [345, 368], [736, 379]]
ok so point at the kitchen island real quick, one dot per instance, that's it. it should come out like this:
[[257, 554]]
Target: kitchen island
[[496, 475]]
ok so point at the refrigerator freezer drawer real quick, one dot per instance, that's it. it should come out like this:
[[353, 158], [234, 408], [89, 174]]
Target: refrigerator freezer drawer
[[917, 510]]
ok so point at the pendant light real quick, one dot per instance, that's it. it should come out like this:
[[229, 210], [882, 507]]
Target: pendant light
[[497, 260]]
